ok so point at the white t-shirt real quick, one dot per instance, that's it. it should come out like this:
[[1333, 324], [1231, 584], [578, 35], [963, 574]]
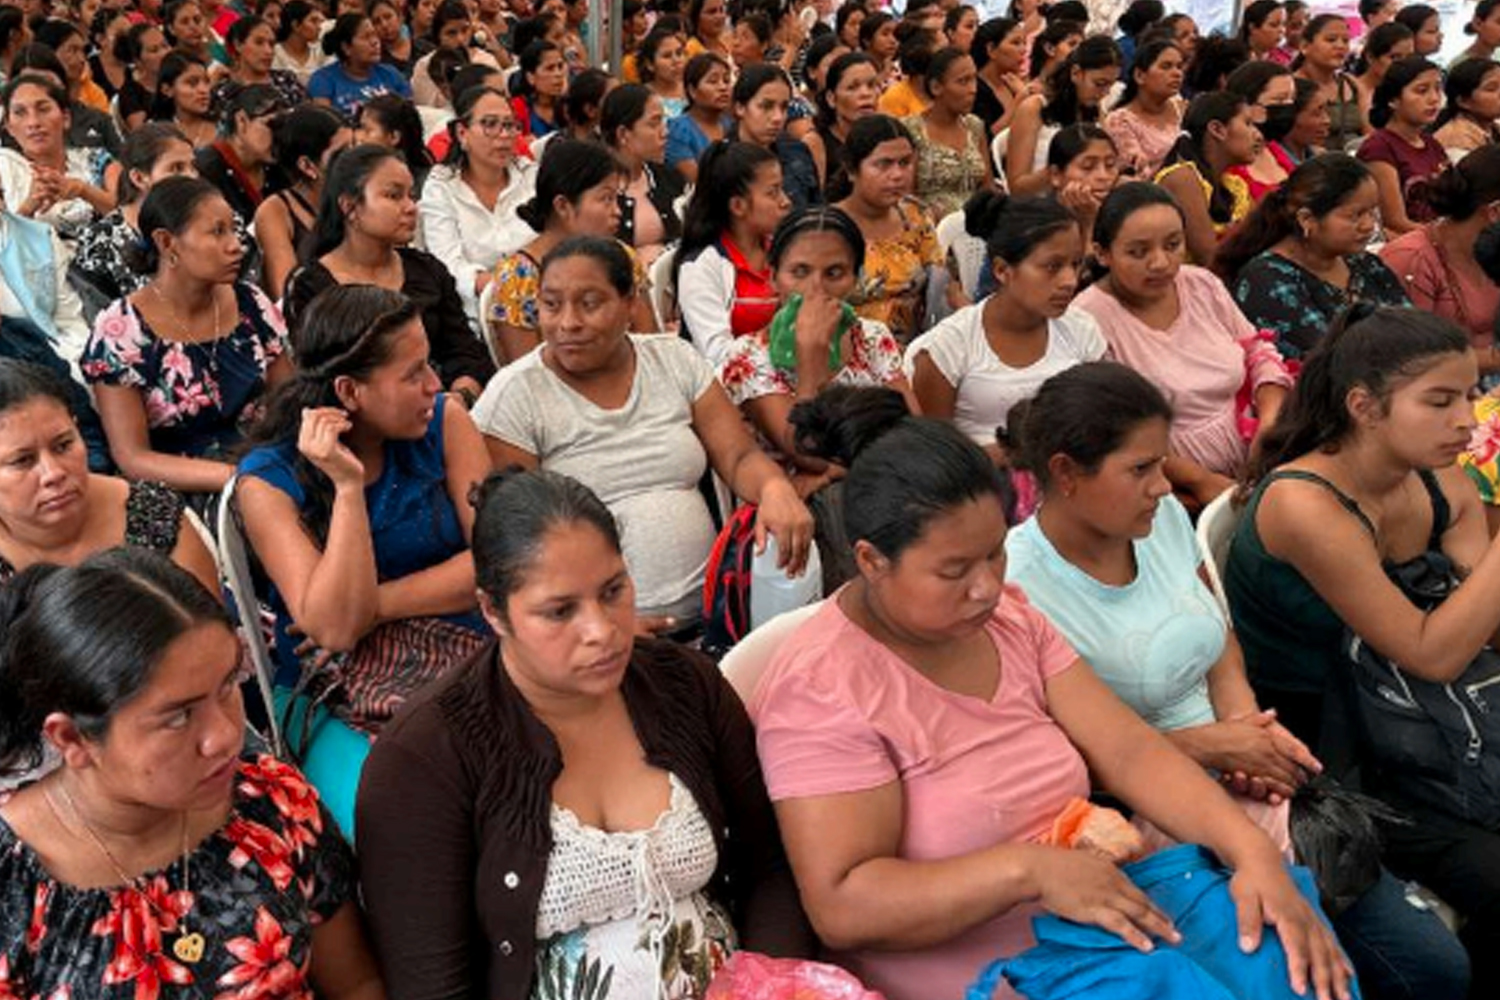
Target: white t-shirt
[[644, 460], [988, 387]]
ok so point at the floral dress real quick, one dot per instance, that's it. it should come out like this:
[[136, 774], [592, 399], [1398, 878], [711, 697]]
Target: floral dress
[[947, 177], [748, 374], [894, 291], [153, 517], [254, 890], [624, 915], [518, 279], [200, 397], [1279, 295], [1482, 459]]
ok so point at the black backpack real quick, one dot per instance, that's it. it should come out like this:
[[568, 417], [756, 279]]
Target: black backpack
[[1433, 744]]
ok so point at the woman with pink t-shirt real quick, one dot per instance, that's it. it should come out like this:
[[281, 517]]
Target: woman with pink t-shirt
[[921, 733]]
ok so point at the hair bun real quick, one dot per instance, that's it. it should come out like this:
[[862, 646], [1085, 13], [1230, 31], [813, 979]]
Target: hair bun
[[842, 421], [982, 213]]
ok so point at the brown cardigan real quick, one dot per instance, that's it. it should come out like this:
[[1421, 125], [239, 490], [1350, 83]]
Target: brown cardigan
[[454, 821]]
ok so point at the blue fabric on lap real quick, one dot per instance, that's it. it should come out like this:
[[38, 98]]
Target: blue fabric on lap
[[1192, 888], [333, 759]]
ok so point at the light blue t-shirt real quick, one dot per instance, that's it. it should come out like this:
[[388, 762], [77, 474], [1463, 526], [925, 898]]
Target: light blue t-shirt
[[1153, 640], [333, 84]]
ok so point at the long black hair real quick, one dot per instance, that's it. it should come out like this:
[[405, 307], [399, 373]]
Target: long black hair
[[347, 330], [1373, 348], [725, 172], [569, 168], [1319, 185], [85, 640], [1146, 56], [1085, 413], [1095, 52], [1401, 75], [348, 175], [1013, 227], [1464, 78], [1217, 107], [514, 510]]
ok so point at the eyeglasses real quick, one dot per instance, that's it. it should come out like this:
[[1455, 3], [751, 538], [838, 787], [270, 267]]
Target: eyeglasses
[[493, 126]]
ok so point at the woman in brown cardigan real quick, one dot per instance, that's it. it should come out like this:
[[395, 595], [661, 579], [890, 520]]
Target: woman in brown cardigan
[[575, 804]]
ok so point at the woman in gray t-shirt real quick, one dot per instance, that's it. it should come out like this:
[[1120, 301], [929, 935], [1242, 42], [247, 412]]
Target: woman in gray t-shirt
[[637, 419]]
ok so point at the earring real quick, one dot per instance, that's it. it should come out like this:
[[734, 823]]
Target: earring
[[173, 260]]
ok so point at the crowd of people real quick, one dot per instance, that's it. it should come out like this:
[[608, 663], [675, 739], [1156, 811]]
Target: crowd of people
[[491, 357]]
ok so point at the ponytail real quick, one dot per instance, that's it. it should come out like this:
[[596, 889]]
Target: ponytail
[[1371, 347]]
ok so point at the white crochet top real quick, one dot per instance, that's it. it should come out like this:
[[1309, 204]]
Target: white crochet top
[[623, 915]]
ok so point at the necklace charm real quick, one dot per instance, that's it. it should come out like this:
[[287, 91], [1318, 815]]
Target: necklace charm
[[188, 948]]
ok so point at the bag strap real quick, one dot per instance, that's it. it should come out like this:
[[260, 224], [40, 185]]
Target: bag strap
[[1442, 513], [1344, 499]]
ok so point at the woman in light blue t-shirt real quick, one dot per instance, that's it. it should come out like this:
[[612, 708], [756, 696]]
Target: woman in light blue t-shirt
[[1110, 557]]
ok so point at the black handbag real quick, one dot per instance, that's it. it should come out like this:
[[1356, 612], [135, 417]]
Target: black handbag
[[1434, 744]]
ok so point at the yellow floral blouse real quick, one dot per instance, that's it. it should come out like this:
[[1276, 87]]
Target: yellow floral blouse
[[894, 289]]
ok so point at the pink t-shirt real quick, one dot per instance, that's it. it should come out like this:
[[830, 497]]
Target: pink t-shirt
[[838, 712]]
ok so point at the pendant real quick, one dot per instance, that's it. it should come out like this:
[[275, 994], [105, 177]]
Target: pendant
[[189, 947]]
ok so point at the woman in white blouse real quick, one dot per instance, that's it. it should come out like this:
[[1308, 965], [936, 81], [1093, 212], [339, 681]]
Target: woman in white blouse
[[468, 207]]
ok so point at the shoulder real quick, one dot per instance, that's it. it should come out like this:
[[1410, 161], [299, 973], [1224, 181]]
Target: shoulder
[[275, 465], [1077, 328], [1200, 281]]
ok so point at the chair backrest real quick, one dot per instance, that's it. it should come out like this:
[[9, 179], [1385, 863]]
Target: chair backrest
[[235, 563], [744, 665], [663, 292], [1216, 527], [998, 146], [434, 120], [486, 331], [968, 251], [206, 537]]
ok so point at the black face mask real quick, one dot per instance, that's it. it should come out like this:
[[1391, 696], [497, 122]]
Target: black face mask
[[1280, 120]]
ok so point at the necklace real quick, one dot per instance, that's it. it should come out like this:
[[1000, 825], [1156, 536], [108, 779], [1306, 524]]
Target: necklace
[[189, 944], [185, 336]]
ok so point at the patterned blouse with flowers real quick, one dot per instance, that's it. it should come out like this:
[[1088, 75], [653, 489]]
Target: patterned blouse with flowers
[[254, 890], [518, 280], [874, 360], [894, 290], [200, 397], [1482, 459]]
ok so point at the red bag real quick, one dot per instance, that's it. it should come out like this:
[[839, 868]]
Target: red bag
[[750, 976]]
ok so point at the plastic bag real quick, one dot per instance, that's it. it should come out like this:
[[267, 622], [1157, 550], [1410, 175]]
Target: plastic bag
[[751, 976]]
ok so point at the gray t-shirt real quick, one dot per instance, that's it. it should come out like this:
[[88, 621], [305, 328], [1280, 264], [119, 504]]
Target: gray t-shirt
[[643, 460]]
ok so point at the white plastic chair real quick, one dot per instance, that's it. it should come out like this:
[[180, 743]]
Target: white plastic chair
[[486, 331], [206, 537], [1215, 531], [744, 665], [998, 146], [235, 565], [434, 120], [968, 251], [663, 291]]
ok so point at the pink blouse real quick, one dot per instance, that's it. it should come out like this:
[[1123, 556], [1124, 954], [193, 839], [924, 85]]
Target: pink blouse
[[1201, 362], [1143, 146], [1435, 286]]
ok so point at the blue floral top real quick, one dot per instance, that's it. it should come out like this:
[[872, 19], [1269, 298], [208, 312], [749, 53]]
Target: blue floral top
[[1279, 295], [200, 398]]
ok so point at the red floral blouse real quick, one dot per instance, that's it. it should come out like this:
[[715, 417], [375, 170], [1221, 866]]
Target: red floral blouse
[[276, 869]]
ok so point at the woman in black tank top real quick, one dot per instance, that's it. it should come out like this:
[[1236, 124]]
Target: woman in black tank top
[[1356, 479], [305, 141]]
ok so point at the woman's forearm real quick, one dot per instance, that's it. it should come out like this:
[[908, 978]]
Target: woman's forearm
[[444, 589], [341, 601]]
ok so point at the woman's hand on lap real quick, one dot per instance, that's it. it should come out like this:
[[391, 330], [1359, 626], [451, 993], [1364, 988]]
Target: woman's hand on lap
[[1084, 888], [1265, 896]]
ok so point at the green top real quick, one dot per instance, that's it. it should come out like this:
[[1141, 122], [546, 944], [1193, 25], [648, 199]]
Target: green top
[[1289, 634]]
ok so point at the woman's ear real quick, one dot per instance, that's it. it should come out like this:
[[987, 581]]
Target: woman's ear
[[347, 391], [869, 560], [62, 732], [496, 618]]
